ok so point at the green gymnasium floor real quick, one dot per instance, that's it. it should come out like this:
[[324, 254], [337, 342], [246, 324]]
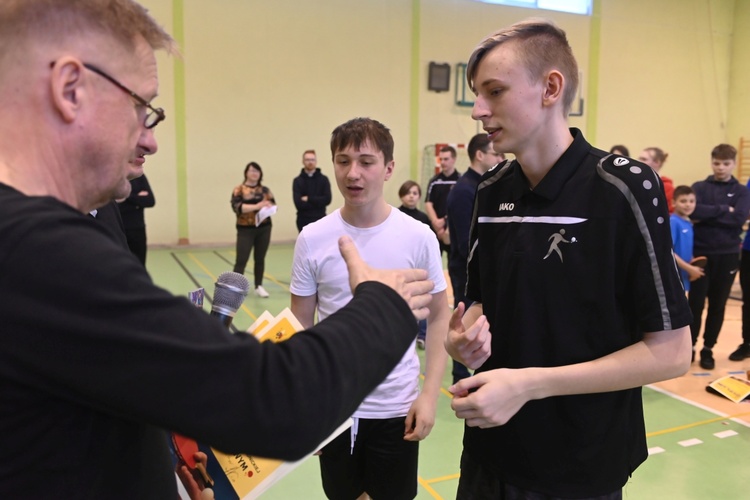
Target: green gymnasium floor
[[696, 451]]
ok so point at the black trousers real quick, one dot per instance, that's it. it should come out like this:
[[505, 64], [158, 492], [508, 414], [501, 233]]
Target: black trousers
[[382, 463], [745, 284], [478, 483], [714, 286], [249, 237]]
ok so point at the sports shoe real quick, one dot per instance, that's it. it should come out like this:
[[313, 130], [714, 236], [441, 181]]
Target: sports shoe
[[707, 359], [420, 344], [742, 352], [261, 292]]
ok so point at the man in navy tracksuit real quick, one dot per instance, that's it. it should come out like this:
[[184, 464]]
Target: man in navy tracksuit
[[722, 206]]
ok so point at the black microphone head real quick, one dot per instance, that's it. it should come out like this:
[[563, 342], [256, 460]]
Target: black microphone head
[[231, 290]]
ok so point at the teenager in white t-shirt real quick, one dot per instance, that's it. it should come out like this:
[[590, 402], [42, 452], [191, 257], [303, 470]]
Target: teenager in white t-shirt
[[379, 455]]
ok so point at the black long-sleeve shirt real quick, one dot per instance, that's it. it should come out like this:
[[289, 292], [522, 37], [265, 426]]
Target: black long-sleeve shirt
[[95, 360], [317, 188]]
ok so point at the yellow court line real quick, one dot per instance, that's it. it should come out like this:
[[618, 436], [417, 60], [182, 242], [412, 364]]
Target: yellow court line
[[696, 424], [429, 489], [211, 275], [441, 479]]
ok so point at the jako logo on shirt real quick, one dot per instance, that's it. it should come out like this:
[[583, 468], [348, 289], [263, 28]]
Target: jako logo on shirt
[[506, 207]]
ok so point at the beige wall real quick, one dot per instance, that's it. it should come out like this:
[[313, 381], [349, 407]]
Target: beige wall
[[663, 80], [265, 80], [738, 123]]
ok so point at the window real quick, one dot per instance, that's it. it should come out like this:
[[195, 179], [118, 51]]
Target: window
[[572, 6]]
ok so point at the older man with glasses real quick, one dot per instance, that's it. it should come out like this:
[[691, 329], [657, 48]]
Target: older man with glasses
[[95, 361]]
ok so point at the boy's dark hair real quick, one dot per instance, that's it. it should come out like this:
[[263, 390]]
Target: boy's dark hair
[[406, 187], [724, 152], [682, 191], [479, 142], [449, 149], [358, 131]]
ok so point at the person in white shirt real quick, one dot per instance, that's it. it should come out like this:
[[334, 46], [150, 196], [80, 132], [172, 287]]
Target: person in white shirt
[[379, 455]]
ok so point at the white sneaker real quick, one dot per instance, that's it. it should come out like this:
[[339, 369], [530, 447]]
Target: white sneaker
[[261, 292]]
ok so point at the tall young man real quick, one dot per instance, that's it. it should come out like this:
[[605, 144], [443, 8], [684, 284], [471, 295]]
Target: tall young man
[[578, 302], [379, 455], [311, 191]]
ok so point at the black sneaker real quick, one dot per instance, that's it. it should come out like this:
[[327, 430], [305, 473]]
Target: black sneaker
[[742, 352], [707, 359]]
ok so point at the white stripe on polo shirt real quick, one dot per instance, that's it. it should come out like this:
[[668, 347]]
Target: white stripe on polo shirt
[[531, 220]]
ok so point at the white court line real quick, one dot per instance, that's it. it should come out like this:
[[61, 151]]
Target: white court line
[[725, 434], [690, 442]]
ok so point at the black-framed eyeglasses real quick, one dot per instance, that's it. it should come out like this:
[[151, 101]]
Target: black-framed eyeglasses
[[153, 118]]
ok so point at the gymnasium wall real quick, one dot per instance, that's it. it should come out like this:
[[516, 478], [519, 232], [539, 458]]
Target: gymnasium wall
[[264, 80]]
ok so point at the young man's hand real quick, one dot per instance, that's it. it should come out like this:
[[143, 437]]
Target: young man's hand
[[421, 418], [471, 347], [490, 398]]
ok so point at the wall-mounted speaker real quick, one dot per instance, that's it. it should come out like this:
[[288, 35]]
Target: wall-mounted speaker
[[439, 77]]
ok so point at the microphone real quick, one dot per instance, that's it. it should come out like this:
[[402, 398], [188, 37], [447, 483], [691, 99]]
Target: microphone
[[229, 293]]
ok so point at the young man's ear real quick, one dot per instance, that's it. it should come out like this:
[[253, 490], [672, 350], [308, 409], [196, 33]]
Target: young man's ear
[[66, 87], [389, 169], [554, 84]]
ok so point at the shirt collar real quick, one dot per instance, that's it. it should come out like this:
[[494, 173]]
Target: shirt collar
[[563, 169]]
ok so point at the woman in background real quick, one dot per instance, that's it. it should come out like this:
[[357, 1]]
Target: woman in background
[[247, 200], [655, 158]]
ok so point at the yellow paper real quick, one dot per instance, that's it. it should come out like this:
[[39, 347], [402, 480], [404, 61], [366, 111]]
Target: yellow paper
[[260, 323], [249, 475], [281, 328], [732, 387]]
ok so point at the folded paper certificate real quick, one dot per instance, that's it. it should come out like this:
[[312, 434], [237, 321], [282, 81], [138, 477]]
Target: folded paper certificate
[[731, 387]]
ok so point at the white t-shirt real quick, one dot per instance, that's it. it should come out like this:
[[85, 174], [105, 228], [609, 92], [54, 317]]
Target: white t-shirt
[[400, 242]]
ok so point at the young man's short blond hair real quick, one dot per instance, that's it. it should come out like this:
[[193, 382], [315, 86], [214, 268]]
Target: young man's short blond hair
[[542, 46]]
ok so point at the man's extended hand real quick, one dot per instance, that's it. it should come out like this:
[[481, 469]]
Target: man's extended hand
[[411, 284]]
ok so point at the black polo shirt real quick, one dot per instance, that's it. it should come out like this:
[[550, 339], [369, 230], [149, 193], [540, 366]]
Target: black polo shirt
[[437, 191], [571, 271]]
